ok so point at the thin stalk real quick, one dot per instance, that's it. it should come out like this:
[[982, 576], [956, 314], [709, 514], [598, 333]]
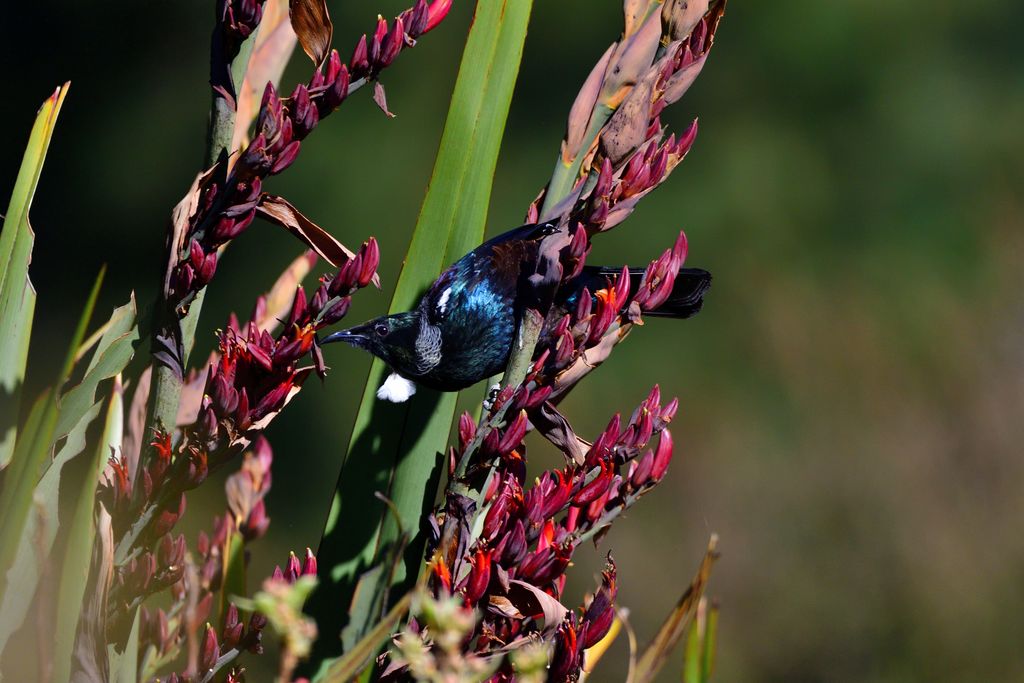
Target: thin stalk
[[166, 382], [564, 177]]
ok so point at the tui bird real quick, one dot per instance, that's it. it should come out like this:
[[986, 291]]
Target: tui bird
[[462, 330]]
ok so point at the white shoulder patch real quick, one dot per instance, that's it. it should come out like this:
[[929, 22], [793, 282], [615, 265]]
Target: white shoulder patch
[[396, 389], [442, 303]]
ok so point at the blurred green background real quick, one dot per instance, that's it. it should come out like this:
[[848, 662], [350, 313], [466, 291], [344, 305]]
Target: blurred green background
[[852, 394]]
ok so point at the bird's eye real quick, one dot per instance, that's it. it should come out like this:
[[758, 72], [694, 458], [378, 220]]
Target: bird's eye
[[381, 330]]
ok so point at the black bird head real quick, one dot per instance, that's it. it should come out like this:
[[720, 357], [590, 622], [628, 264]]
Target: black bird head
[[392, 338]]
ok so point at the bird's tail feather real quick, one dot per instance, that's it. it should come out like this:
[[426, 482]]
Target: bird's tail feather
[[687, 295]]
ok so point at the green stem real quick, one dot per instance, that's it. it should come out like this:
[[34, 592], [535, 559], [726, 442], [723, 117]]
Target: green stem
[[167, 384], [565, 175]]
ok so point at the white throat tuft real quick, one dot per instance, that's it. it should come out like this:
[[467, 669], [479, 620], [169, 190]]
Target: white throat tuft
[[396, 389]]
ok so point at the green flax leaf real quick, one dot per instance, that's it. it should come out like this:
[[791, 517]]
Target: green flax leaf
[[74, 576], [29, 464], [395, 449], [17, 295]]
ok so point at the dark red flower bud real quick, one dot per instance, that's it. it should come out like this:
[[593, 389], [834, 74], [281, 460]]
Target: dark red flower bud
[[669, 411], [274, 399], [261, 357], [359, 63], [210, 650], [497, 516], [304, 115], [559, 494], [479, 576], [333, 67], [371, 259], [233, 628], [596, 488], [538, 396], [515, 545], [293, 570], [662, 455], [242, 417], [641, 474], [467, 430], [392, 43], [436, 13], [602, 446], [514, 434], [418, 18], [338, 91], [376, 43], [253, 641], [257, 523], [286, 157], [601, 612], [255, 155], [337, 311], [565, 660], [205, 273], [309, 564], [686, 139]]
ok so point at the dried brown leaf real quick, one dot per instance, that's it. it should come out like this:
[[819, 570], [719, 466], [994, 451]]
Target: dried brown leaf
[[499, 604], [313, 27], [180, 218], [381, 98], [280, 211], [556, 428], [270, 54], [529, 600]]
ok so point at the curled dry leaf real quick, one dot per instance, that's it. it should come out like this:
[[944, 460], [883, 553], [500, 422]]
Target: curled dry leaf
[[180, 218], [529, 600], [280, 211], [312, 25], [556, 429], [381, 98]]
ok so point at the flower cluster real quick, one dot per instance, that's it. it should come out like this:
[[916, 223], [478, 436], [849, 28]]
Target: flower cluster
[[197, 578], [584, 336], [246, 385], [511, 564], [227, 201], [256, 373], [239, 19], [652, 67]]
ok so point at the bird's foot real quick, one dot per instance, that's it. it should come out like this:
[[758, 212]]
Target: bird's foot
[[492, 396]]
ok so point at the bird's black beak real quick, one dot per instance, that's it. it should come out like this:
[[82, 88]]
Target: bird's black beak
[[348, 336]]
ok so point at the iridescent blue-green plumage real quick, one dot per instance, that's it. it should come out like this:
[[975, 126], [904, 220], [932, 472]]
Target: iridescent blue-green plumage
[[463, 328]]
